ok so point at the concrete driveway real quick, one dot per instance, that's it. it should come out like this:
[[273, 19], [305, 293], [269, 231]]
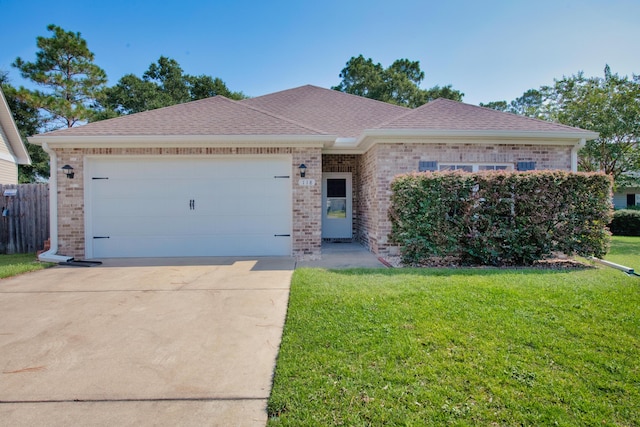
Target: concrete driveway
[[142, 342]]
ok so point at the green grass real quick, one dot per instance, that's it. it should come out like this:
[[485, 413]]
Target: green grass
[[461, 347], [626, 251], [12, 265]]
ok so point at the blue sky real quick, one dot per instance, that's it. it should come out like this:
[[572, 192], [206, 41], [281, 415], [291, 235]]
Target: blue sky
[[490, 50]]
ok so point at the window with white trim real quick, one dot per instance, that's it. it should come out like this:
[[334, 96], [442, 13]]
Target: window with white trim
[[474, 167]]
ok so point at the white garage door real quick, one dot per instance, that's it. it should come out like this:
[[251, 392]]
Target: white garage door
[[168, 207]]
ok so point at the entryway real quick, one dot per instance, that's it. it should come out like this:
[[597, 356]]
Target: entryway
[[337, 201]]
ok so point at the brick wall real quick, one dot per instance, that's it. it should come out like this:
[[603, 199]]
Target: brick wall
[[372, 176], [368, 203], [384, 161], [306, 201]]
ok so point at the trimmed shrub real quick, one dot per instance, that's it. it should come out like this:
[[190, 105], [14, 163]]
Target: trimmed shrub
[[499, 218], [625, 222]]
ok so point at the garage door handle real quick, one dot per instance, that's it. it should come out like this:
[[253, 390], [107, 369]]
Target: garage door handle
[[282, 235], [100, 237], [192, 205]]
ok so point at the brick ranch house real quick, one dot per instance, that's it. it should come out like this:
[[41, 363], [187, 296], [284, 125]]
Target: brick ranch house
[[217, 177]]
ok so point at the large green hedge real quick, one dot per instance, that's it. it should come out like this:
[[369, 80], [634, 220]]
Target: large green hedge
[[499, 218], [625, 222]]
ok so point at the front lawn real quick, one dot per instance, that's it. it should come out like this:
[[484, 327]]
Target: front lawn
[[495, 347], [625, 250], [11, 265]]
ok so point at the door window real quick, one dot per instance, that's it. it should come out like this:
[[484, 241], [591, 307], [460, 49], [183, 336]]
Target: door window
[[336, 198]]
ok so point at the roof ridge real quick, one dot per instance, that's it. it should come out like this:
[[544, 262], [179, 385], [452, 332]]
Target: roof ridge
[[404, 114], [277, 116], [359, 97]]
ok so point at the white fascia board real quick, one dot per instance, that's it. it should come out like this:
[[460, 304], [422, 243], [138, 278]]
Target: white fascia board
[[373, 136], [20, 153], [333, 150], [507, 134], [137, 141]]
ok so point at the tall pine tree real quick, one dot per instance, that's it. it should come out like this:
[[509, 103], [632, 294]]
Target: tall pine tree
[[70, 81]]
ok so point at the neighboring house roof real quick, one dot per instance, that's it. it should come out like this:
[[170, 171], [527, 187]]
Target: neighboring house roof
[[336, 113], [9, 128]]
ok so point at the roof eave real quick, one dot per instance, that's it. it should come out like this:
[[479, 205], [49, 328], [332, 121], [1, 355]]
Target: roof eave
[[19, 151], [444, 133], [369, 136], [183, 140]]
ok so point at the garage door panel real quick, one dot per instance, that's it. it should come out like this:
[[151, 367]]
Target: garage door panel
[[145, 207], [126, 189], [177, 226], [150, 226], [164, 246], [139, 207]]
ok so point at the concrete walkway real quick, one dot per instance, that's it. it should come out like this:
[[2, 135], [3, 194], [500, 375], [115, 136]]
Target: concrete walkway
[[188, 342], [344, 255]]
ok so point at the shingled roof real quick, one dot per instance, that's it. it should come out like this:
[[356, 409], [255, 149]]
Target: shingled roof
[[447, 115], [211, 116], [313, 113], [336, 113]]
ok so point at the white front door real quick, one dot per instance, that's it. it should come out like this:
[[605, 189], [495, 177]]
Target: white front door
[[337, 215]]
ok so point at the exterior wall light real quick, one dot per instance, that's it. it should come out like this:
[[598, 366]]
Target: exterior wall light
[[303, 170], [68, 170]]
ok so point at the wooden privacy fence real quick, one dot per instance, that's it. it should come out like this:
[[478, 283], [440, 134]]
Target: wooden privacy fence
[[24, 224]]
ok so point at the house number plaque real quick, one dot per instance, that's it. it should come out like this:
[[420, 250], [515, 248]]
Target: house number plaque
[[307, 182]]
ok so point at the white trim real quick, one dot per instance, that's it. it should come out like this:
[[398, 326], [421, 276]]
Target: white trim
[[368, 142], [51, 254], [574, 154], [136, 141], [8, 157], [330, 143], [13, 135], [476, 166], [477, 133]]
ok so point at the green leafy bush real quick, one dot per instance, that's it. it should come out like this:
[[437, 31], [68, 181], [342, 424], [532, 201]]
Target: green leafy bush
[[501, 218], [625, 222]]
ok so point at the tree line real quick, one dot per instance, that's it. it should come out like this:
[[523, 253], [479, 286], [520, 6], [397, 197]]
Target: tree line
[[74, 91], [608, 104]]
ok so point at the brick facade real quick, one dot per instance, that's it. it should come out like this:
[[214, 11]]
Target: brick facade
[[372, 173], [306, 200], [383, 162]]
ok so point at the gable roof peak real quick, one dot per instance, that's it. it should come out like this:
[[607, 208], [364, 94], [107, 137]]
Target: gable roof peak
[[334, 112]]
